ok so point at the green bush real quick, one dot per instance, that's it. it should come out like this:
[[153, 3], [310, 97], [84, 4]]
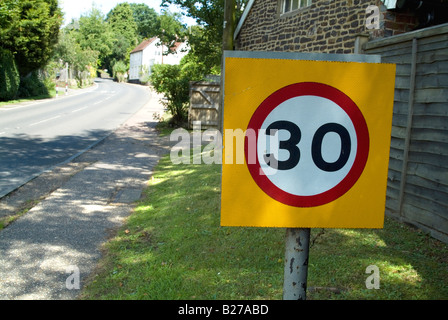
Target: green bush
[[145, 79], [34, 85], [9, 76], [174, 84], [120, 70]]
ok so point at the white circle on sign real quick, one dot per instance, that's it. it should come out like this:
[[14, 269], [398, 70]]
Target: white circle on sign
[[285, 148], [308, 113]]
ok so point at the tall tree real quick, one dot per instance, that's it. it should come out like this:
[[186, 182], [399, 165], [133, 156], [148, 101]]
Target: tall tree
[[9, 15], [29, 29], [121, 20], [148, 24], [69, 50], [96, 34], [206, 42], [171, 29], [124, 28]]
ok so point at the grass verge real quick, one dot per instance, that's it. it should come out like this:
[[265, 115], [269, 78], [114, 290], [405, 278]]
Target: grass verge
[[27, 206], [40, 97], [173, 247]]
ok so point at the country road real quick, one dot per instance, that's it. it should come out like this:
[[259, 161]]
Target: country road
[[38, 136]]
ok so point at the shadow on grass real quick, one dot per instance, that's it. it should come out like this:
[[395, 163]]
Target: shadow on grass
[[173, 247], [412, 265]]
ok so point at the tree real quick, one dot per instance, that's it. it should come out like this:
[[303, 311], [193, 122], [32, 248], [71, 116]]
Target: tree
[[124, 28], [29, 29], [173, 81], [9, 76], [174, 84], [9, 15], [95, 33], [206, 42], [69, 50], [171, 29], [205, 48], [146, 18]]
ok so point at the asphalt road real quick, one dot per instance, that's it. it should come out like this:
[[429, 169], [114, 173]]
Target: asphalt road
[[50, 252], [38, 136]]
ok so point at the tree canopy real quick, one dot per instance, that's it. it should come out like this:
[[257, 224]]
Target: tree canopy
[[206, 39], [170, 29], [96, 34], [147, 20], [29, 29], [124, 28]]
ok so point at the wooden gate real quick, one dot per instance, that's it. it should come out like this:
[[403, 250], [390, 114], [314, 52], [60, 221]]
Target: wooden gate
[[204, 104]]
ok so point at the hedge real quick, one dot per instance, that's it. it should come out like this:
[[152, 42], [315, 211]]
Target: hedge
[[9, 76]]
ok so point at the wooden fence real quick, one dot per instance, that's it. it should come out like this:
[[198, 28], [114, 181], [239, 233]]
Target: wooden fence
[[417, 191], [204, 104]]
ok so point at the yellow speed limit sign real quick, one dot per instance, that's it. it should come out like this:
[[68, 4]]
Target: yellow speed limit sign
[[306, 140]]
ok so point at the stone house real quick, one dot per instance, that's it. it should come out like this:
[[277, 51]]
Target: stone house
[[329, 26], [412, 34]]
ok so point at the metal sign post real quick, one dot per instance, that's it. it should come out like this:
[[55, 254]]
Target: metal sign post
[[296, 263]]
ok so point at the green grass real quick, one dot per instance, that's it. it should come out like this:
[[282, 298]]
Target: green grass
[[40, 97], [173, 247]]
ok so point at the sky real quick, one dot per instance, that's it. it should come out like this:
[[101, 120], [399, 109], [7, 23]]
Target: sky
[[75, 8]]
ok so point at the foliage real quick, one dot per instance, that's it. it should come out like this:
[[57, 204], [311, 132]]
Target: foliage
[[124, 28], [121, 20], [82, 61], [205, 48], [206, 40], [35, 84], [172, 82], [147, 20], [95, 34], [171, 29], [9, 76], [119, 70], [29, 29], [9, 15]]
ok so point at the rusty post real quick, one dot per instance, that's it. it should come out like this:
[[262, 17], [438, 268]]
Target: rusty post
[[296, 263]]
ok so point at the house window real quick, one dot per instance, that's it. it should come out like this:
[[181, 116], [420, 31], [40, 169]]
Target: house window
[[292, 5]]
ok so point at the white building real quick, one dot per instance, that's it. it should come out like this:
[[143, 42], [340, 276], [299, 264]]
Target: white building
[[180, 50], [149, 53]]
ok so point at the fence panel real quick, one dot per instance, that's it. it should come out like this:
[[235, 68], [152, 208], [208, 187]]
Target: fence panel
[[417, 190]]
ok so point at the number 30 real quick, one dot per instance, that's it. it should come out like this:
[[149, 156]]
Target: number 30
[[316, 146]]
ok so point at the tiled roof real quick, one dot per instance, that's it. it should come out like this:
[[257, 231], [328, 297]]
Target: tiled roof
[[144, 44]]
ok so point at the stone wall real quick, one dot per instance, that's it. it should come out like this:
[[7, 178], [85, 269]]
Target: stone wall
[[328, 26]]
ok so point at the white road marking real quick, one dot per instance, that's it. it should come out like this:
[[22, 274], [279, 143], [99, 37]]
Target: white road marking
[[77, 110], [49, 119]]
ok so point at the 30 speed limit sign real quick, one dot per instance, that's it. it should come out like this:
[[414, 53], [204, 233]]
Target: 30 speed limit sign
[[320, 145], [316, 142]]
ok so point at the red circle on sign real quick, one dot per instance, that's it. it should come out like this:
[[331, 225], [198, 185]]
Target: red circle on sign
[[345, 103]]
